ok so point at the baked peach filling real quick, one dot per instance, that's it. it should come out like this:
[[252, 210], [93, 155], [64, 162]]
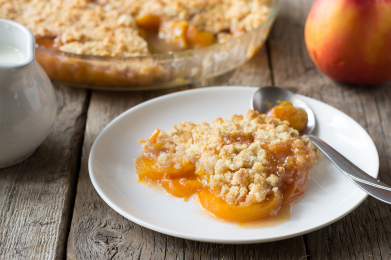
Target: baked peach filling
[[240, 170], [148, 22], [220, 209], [177, 33], [296, 116], [182, 34], [49, 42]]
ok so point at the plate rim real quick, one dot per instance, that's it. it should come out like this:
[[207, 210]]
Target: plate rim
[[197, 237]]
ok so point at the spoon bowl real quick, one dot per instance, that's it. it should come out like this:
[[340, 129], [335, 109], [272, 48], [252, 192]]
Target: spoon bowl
[[266, 98]]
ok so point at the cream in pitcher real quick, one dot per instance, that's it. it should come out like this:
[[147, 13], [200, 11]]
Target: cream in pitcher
[[10, 55], [27, 102]]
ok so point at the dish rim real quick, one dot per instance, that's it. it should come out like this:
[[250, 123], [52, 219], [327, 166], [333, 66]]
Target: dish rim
[[197, 237]]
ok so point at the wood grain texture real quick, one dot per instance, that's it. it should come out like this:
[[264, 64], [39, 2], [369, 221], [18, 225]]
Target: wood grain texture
[[37, 195], [366, 232], [98, 232]]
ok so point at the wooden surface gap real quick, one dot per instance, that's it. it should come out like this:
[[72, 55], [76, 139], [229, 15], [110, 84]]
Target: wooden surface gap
[[383, 134], [364, 112], [74, 181], [269, 61], [304, 237]]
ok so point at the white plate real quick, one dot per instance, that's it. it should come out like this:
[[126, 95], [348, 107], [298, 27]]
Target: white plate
[[329, 194]]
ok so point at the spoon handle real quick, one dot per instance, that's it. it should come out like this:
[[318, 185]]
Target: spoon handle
[[372, 186]]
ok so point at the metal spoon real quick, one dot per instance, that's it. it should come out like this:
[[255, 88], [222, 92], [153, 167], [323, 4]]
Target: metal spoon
[[266, 98]]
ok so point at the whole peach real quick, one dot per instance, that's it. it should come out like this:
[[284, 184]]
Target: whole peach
[[350, 40]]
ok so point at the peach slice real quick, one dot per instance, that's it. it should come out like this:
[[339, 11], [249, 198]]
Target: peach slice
[[222, 210]]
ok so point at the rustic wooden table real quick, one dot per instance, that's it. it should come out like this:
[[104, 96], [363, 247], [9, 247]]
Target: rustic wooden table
[[50, 210]]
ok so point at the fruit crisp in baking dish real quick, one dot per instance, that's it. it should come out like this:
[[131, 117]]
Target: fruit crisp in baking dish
[[242, 170], [132, 44], [120, 27]]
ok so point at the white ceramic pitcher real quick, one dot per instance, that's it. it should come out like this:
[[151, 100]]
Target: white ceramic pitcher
[[27, 101]]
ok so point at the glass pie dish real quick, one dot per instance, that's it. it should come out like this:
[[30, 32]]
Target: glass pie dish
[[154, 70]]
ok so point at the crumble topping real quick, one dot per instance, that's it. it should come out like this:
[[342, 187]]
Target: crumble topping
[[108, 27], [234, 157]]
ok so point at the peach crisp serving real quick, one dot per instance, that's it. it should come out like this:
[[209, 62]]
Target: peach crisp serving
[[241, 170]]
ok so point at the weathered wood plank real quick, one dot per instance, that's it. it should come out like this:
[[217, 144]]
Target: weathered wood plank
[[98, 232], [37, 195], [363, 234]]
